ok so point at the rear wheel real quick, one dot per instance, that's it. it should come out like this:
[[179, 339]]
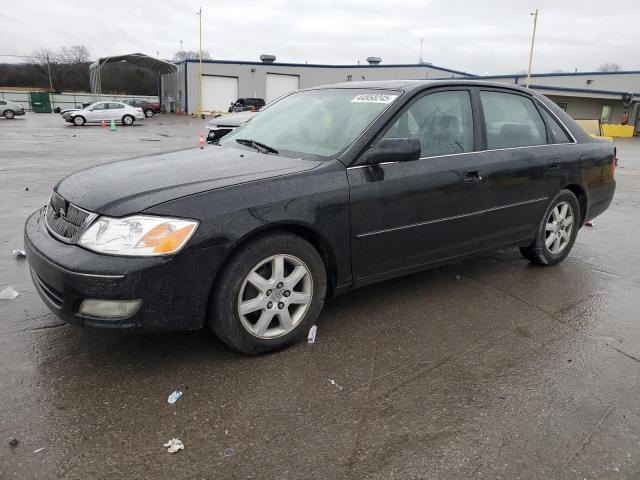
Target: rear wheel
[[79, 121], [148, 112], [128, 120], [269, 294], [557, 231], [9, 114]]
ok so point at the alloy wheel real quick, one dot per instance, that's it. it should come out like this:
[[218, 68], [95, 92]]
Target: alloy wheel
[[275, 296], [559, 228]]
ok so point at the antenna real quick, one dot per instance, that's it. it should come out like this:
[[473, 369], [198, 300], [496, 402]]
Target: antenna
[[421, 42]]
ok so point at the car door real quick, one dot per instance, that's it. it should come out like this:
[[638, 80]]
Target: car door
[[515, 165], [98, 112], [116, 111], [410, 214]]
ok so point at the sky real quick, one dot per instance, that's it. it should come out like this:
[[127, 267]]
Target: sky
[[482, 37]]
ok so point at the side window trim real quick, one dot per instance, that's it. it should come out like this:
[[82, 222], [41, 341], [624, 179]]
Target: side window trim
[[419, 96]]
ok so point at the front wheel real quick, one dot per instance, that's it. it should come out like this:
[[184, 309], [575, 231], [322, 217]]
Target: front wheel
[[9, 114], [78, 121], [557, 231], [269, 294]]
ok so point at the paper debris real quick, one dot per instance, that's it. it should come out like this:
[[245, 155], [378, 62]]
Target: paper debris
[[311, 338], [8, 294], [18, 253], [174, 445], [38, 450], [227, 452]]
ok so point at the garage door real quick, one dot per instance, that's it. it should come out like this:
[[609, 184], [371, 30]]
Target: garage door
[[218, 93], [278, 84]]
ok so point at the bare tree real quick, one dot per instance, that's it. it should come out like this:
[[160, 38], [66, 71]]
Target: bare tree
[[74, 54], [190, 55], [610, 67]]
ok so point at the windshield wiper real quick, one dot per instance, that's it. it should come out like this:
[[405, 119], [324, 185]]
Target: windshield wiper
[[261, 147]]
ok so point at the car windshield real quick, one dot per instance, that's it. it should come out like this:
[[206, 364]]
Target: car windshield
[[315, 122]]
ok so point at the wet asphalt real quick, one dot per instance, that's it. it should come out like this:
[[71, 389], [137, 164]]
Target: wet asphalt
[[491, 368]]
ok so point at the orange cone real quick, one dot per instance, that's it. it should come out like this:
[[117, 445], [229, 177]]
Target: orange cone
[[103, 124], [201, 141]]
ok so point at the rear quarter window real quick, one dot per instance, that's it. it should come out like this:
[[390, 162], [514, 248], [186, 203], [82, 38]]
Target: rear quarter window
[[559, 133]]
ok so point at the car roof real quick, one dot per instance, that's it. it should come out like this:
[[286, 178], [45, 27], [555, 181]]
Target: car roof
[[410, 86]]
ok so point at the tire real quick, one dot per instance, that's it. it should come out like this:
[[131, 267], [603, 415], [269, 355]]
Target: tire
[[9, 114], [128, 120], [148, 113], [252, 332], [79, 121], [553, 243]]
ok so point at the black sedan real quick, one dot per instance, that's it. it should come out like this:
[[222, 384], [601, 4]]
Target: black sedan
[[325, 190]]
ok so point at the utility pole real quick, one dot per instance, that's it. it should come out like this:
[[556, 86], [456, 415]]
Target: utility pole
[[199, 13], [49, 69], [533, 41], [421, 61]]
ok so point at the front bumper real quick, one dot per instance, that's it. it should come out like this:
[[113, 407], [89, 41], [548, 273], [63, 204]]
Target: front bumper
[[19, 112], [174, 289]]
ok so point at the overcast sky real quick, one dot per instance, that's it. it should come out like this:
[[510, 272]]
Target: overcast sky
[[476, 36]]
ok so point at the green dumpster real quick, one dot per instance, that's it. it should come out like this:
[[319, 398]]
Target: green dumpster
[[40, 102]]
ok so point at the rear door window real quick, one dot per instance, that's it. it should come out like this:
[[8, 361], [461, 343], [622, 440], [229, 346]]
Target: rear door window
[[559, 134], [511, 121], [442, 121]]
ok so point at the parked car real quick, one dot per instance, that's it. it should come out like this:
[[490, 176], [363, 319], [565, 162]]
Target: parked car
[[247, 104], [107, 111], [327, 189], [9, 109], [220, 126], [149, 108]]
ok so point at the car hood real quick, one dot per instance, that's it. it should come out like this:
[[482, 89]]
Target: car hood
[[70, 110], [131, 186], [231, 120]]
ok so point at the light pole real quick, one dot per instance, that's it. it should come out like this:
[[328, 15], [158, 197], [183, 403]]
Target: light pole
[[533, 40], [199, 13]]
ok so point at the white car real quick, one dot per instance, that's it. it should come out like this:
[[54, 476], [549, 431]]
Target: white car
[[97, 112]]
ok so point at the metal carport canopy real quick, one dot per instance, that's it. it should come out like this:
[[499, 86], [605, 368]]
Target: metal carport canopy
[[140, 59]]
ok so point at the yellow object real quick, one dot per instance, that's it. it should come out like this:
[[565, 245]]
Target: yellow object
[[617, 130], [601, 137]]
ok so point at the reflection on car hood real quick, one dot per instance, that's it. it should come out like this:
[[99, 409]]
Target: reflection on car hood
[[131, 186], [231, 120]]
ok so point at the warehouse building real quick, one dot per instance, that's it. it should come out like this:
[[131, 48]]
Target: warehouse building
[[224, 81]]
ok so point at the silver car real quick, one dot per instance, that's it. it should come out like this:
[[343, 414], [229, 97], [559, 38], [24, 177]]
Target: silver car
[[104, 111], [9, 109]]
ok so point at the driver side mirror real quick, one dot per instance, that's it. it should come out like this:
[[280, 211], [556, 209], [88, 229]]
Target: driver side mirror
[[393, 150]]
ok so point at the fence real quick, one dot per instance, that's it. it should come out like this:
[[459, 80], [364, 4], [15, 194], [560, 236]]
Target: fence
[[69, 100]]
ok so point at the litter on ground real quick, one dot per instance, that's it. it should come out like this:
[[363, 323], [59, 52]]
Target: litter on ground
[[312, 334], [13, 442], [38, 450], [18, 253], [8, 294], [174, 396], [333, 382], [227, 452], [173, 445]]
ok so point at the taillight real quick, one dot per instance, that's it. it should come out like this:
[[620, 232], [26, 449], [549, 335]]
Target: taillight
[[614, 162]]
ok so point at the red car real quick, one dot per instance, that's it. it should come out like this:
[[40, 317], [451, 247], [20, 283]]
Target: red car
[[149, 108]]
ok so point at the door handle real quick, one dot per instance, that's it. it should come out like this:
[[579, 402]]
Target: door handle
[[472, 177]]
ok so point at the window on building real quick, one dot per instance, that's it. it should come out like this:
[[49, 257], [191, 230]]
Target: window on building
[[512, 121], [605, 116], [442, 121], [559, 134]]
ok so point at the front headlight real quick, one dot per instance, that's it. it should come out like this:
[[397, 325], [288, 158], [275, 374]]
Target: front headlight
[[138, 235]]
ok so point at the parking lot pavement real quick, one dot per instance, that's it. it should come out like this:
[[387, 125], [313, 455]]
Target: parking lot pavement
[[491, 368]]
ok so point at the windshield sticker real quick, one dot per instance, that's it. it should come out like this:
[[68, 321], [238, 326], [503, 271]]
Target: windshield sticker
[[373, 98]]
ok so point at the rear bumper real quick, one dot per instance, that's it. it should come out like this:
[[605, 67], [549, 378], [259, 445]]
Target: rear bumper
[[174, 290]]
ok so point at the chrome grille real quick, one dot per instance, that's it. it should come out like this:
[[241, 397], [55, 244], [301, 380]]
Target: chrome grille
[[63, 218]]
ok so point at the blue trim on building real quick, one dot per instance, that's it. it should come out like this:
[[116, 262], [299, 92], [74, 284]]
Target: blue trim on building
[[562, 74], [580, 90], [316, 65]]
